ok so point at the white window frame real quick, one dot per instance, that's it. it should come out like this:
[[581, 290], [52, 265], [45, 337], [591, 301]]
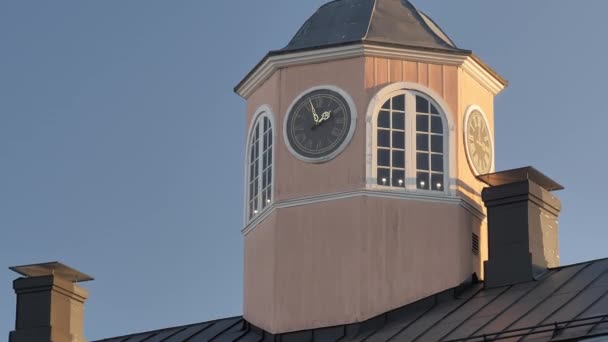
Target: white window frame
[[449, 143], [257, 121]]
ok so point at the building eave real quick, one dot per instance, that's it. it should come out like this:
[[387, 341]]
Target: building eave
[[280, 59]]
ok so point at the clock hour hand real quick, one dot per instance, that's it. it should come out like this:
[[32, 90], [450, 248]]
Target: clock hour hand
[[324, 117], [314, 113]]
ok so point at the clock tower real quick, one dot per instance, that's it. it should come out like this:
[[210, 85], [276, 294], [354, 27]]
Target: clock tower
[[365, 137]]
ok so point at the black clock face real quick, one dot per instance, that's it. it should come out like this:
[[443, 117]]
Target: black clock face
[[318, 124]]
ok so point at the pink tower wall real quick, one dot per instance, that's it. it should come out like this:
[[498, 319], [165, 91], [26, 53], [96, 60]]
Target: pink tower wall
[[347, 260]]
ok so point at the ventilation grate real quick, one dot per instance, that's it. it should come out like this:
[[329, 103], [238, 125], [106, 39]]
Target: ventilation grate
[[475, 244]]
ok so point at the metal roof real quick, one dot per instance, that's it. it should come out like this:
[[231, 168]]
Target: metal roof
[[393, 22], [569, 302]]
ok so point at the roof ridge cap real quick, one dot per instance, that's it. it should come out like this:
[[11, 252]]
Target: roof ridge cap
[[371, 17]]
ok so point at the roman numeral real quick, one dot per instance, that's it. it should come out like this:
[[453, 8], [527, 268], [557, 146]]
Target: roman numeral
[[335, 132]]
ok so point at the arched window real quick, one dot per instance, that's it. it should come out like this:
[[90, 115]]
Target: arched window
[[410, 145], [260, 166]]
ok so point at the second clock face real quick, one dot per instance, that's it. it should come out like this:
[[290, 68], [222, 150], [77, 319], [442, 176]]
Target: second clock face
[[478, 143], [318, 125]]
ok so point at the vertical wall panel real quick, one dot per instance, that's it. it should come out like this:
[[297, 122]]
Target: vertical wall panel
[[396, 70], [423, 74], [369, 76], [382, 70], [411, 71], [435, 78]]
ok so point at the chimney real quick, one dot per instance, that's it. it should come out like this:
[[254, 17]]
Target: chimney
[[50, 306], [522, 225]]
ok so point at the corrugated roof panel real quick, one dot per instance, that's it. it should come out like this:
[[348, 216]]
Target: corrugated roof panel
[[233, 334], [488, 313], [216, 329], [561, 295], [118, 339], [547, 285], [462, 314], [587, 276], [578, 305], [162, 336], [581, 298], [429, 319], [250, 336], [400, 319], [187, 333], [140, 337]]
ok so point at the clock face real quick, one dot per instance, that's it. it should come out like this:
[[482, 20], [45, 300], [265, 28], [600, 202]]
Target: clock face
[[318, 125], [478, 143]]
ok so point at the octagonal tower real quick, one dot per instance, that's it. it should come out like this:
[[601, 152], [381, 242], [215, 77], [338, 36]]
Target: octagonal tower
[[365, 136]]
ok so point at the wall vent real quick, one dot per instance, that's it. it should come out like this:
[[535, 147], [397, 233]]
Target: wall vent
[[475, 244]]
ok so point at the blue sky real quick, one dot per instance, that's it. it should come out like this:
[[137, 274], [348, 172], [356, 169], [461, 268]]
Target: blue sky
[[122, 143]]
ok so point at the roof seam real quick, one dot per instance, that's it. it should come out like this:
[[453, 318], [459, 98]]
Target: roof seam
[[502, 312], [200, 331], [165, 339], [371, 17], [476, 312], [226, 329], [546, 297], [439, 28], [413, 321], [573, 297], [592, 304], [446, 315], [432, 307], [593, 327]]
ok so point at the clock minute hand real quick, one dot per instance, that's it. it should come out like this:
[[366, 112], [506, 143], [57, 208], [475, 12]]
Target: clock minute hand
[[314, 113]]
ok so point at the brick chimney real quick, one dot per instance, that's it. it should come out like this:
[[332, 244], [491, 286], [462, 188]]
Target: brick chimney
[[522, 225], [50, 306]]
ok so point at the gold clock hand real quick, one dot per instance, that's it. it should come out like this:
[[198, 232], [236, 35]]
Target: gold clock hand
[[314, 113], [325, 116]]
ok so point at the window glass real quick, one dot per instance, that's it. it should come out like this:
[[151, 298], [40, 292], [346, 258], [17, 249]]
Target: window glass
[[422, 161], [422, 180], [260, 166], [398, 179], [437, 143], [436, 124], [422, 104], [437, 163], [399, 159], [398, 139], [384, 119], [422, 142], [399, 103], [384, 157], [384, 138], [422, 123], [437, 181], [383, 176], [387, 104], [404, 117], [398, 121]]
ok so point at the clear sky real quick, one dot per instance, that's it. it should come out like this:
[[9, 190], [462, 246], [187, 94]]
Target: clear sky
[[122, 143]]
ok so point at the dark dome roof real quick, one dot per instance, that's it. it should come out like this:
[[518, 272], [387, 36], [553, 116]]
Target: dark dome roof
[[392, 22]]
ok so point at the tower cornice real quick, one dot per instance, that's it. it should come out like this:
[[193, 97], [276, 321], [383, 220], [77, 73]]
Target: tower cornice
[[273, 61]]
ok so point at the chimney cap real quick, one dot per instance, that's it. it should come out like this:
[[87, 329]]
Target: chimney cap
[[52, 268], [520, 175]]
